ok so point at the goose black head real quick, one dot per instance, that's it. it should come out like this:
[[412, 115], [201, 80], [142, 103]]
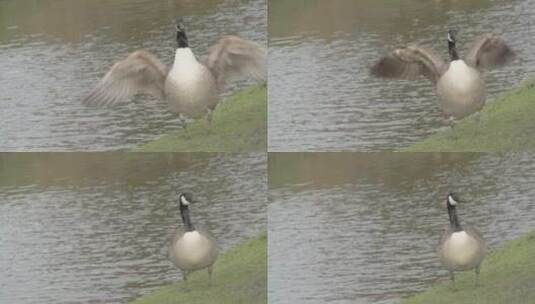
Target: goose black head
[[185, 200], [451, 45], [181, 37], [451, 36], [451, 203], [452, 200]]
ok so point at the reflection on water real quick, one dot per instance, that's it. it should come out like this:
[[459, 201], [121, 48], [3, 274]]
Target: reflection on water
[[53, 52], [366, 232], [73, 235], [321, 96]]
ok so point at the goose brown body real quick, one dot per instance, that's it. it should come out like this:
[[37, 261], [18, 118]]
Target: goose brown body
[[461, 247], [190, 87], [461, 90], [460, 251], [194, 250]]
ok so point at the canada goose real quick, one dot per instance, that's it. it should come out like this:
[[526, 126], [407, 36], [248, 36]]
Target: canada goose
[[190, 87], [191, 249], [461, 247], [459, 85]]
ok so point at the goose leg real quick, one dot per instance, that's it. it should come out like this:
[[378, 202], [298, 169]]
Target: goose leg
[[209, 116], [452, 278], [210, 270], [477, 274], [451, 122], [185, 278], [477, 117], [184, 126]]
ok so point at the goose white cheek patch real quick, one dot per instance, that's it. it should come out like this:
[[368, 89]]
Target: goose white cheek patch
[[184, 201], [452, 201]]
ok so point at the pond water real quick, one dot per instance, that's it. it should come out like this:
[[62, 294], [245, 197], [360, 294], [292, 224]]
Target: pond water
[[86, 228], [53, 52], [322, 97], [364, 228]]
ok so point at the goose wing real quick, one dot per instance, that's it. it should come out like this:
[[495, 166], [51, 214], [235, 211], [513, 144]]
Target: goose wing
[[215, 249], [410, 63], [476, 234], [444, 236], [489, 50], [140, 72], [233, 56], [177, 234]]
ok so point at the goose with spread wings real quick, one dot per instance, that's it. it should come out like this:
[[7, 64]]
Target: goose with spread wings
[[190, 86], [459, 85]]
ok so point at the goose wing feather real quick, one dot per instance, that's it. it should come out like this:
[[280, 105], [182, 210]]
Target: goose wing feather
[[233, 57], [488, 51], [476, 234], [410, 63], [140, 72]]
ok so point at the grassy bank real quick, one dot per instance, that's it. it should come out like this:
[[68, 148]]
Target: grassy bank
[[506, 124], [240, 276], [239, 124], [507, 276]]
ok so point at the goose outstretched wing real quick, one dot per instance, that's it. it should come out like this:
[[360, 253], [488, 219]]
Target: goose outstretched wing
[[233, 57], [488, 51], [410, 63], [140, 72]]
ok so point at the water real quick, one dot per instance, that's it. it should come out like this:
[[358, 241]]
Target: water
[[364, 228], [86, 228], [321, 95], [53, 52]]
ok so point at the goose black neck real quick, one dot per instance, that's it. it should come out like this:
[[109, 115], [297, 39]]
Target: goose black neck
[[184, 212], [182, 39], [452, 50], [454, 221]]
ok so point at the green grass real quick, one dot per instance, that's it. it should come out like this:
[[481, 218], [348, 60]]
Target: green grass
[[240, 276], [507, 276], [239, 124], [507, 124]]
